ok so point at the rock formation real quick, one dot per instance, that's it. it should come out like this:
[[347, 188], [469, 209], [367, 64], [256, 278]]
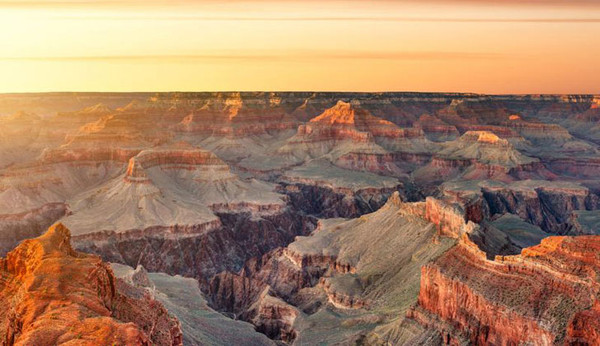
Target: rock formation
[[546, 295], [51, 294]]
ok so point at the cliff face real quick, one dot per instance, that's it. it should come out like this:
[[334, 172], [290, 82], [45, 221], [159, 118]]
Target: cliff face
[[235, 115], [52, 294], [548, 206], [199, 252], [448, 219], [547, 295], [545, 204]]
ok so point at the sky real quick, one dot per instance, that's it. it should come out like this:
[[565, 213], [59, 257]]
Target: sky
[[484, 46]]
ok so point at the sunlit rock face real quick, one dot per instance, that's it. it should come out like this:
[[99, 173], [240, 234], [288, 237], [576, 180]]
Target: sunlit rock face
[[235, 115], [52, 294], [306, 218], [545, 295], [349, 121]]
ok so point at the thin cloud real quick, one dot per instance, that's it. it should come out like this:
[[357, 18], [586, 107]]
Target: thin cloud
[[184, 2], [288, 56], [349, 19], [171, 3]]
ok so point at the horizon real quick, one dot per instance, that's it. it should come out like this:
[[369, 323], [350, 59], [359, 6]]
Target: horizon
[[489, 47], [462, 93]]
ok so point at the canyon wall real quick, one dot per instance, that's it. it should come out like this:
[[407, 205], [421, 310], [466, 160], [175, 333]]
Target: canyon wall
[[51, 295], [546, 295]]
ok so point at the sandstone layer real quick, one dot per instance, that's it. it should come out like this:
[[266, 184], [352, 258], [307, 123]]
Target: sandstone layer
[[52, 295], [546, 295]]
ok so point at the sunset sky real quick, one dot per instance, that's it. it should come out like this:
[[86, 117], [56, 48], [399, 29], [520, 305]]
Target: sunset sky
[[504, 46]]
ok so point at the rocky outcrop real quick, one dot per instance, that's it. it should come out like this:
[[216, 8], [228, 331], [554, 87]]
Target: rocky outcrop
[[275, 318], [448, 219], [499, 131], [485, 147], [549, 205], [480, 155], [51, 294], [122, 129], [547, 295], [235, 294], [584, 328], [352, 137]]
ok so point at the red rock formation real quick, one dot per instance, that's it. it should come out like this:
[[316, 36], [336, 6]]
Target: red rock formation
[[183, 157], [347, 121], [234, 293], [234, 115], [51, 294], [436, 128], [87, 114], [547, 295], [318, 261], [124, 130], [448, 219], [584, 328], [275, 319]]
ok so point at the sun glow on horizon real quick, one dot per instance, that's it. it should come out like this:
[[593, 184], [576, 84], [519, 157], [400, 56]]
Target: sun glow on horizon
[[435, 45]]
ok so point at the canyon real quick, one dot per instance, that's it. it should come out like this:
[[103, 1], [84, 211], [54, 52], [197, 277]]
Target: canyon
[[266, 218]]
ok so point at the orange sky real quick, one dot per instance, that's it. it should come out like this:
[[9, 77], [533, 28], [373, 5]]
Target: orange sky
[[503, 46]]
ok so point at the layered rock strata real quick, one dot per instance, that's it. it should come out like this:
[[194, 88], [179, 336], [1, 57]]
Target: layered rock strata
[[546, 295], [52, 294]]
